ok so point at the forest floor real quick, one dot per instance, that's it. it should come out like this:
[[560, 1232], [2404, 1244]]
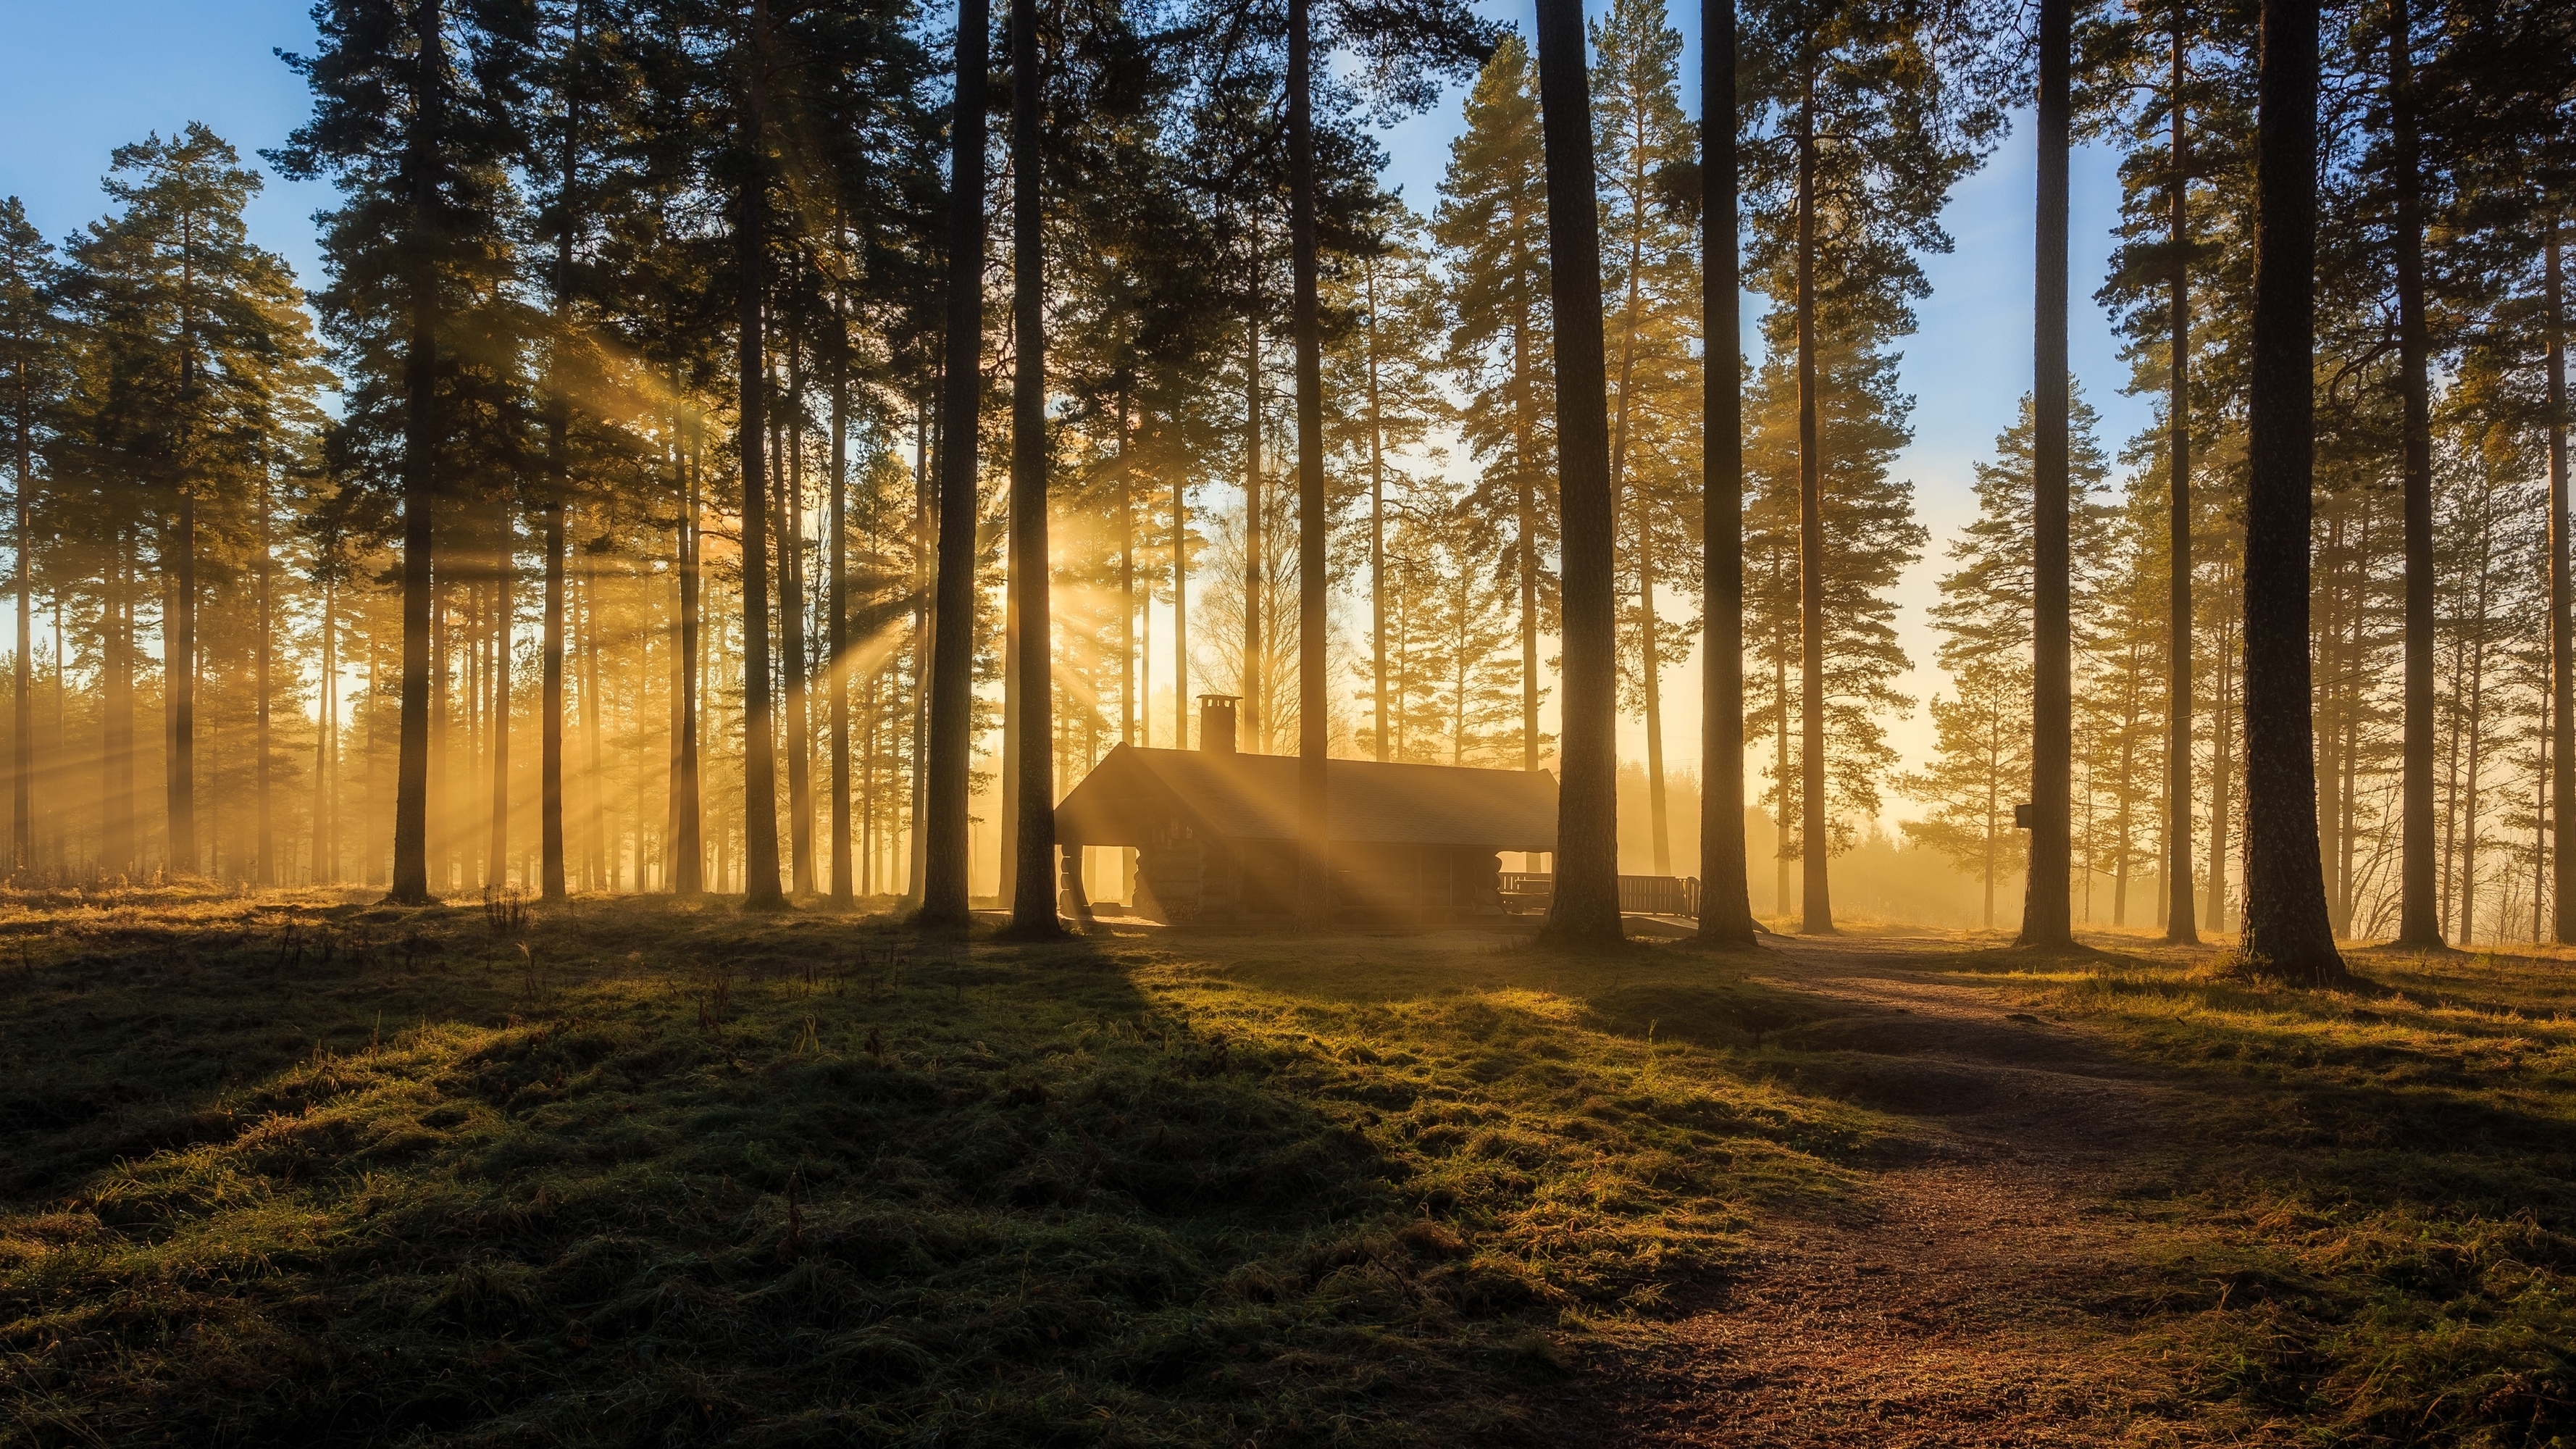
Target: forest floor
[[298, 1168]]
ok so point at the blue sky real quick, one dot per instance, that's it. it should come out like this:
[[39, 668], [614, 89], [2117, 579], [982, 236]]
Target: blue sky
[[77, 80]]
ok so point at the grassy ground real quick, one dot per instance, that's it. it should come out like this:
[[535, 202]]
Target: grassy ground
[[291, 1168], [2373, 1237]]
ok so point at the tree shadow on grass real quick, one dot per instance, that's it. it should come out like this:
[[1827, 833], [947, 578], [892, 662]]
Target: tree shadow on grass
[[700, 1178]]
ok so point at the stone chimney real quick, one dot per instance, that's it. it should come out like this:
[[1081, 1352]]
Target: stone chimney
[[1216, 723]]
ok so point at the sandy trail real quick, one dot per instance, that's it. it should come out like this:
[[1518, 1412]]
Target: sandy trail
[[1949, 1305]]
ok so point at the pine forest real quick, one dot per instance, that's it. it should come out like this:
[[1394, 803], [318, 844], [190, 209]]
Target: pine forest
[[909, 649]]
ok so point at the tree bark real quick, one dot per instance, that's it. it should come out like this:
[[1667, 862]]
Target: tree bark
[[1255, 564], [1525, 522], [837, 624], [2286, 930], [1377, 513], [1585, 909], [791, 630], [116, 719], [2419, 918], [496, 867], [2180, 928], [1815, 837], [1127, 712], [179, 644], [759, 728], [442, 730], [2469, 794], [2562, 650], [686, 852], [1725, 901], [326, 745], [550, 708], [1314, 894], [2222, 758], [952, 685], [1033, 899], [419, 469], [264, 835], [1659, 825], [924, 512], [2045, 909], [598, 870], [22, 739], [1180, 613]]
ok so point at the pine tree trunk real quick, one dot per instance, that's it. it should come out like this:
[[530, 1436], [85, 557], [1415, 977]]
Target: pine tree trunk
[[2331, 695], [264, 835], [1180, 614], [675, 721], [791, 631], [326, 740], [952, 685], [2222, 762], [2348, 792], [22, 735], [1994, 816], [923, 512], [550, 711], [2045, 908], [442, 733], [418, 473], [471, 623], [179, 617], [868, 840], [55, 830], [1815, 840], [2469, 796], [1377, 513], [1006, 788], [1525, 525], [1314, 524], [1660, 825], [1033, 897], [1781, 778], [597, 865], [2455, 728], [2562, 649], [496, 867], [1256, 725], [685, 855], [1585, 908], [550, 707], [2419, 920], [2286, 931], [2180, 927], [759, 727], [419, 476], [1725, 901], [1651, 669], [116, 720], [1127, 712], [836, 627]]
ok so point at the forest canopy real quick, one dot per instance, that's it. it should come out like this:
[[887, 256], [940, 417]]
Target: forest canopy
[[600, 474]]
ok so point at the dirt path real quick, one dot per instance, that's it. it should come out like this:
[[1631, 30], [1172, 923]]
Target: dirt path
[[1950, 1306]]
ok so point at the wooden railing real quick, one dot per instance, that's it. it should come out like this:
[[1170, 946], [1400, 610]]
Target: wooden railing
[[1644, 895]]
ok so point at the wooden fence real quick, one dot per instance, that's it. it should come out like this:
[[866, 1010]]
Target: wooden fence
[[1528, 892]]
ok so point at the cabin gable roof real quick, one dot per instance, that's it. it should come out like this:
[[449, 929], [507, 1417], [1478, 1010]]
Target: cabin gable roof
[[1254, 797]]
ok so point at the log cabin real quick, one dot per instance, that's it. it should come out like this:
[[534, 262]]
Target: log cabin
[[1215, 832]]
